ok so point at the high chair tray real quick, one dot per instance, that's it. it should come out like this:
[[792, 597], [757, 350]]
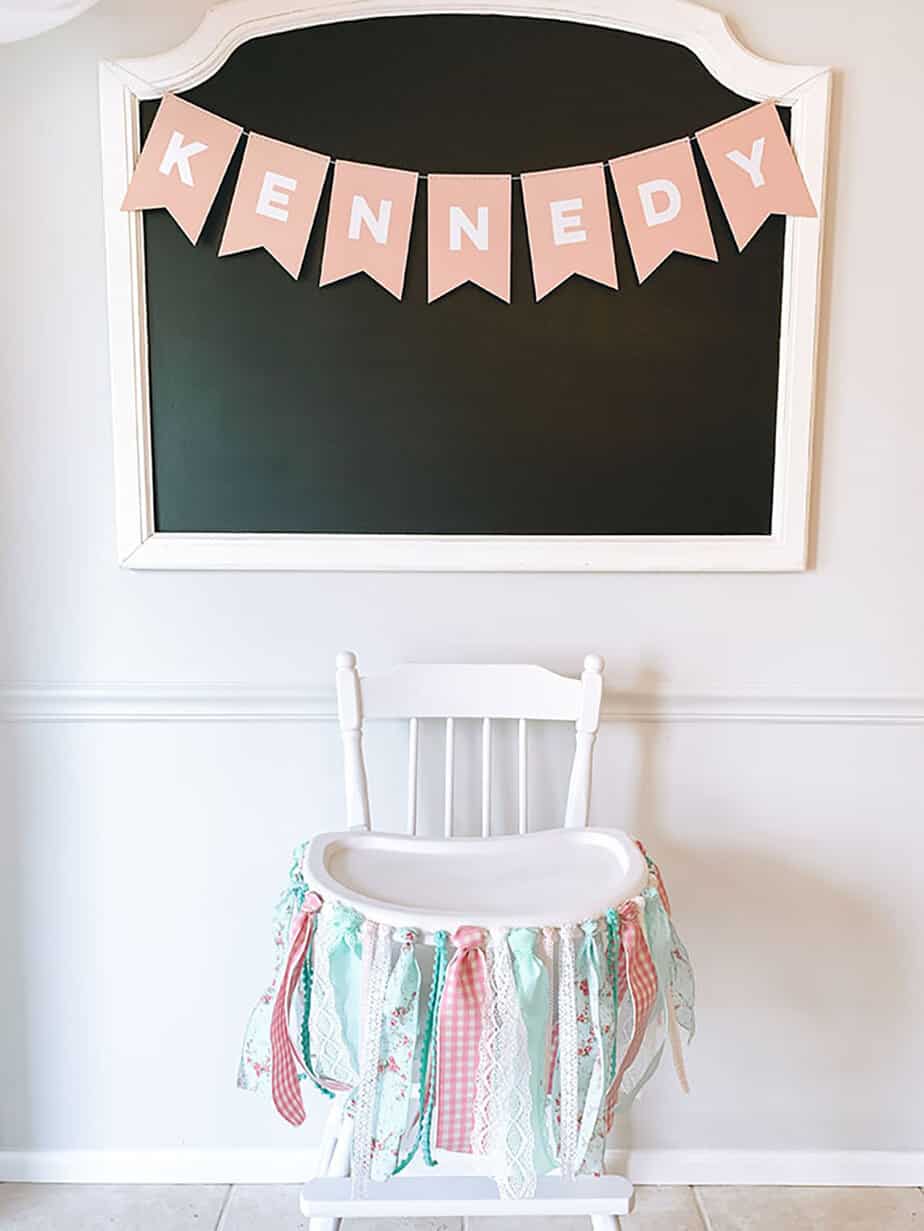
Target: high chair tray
[[540, 879]]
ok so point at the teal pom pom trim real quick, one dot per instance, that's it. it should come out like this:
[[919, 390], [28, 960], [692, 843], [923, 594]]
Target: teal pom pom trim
[[425, 1099]]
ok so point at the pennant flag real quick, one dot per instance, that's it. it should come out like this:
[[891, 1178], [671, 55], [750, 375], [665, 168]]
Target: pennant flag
[[182, 164], [754, 170], [662, 205], [369, 224], [468, 234], [275, 201], [568, 222]]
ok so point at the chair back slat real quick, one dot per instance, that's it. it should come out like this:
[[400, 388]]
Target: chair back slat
[[521, 776], [412, 746], [486, 777], [465, 691], [448, 776]]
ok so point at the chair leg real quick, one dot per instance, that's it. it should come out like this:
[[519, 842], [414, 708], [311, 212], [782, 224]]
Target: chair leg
[[334, 1156], [604, 1222]]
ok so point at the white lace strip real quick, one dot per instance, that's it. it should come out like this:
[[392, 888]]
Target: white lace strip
[[328, 1046], [567, 1055], [512, 1142], [366, 1090], [483, 1111], [596, 1082]]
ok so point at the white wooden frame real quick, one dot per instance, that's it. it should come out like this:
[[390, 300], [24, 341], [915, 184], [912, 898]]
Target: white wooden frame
[[124, 83]]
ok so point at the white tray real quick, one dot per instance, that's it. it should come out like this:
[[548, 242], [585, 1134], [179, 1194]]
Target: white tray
[[554, 877]]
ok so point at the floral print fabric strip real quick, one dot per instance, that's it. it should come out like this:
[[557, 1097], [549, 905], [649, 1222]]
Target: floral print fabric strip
[[571, 1032], [396, 1064]]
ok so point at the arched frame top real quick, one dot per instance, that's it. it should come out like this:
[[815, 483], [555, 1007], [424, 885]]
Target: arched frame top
[[806, 89]]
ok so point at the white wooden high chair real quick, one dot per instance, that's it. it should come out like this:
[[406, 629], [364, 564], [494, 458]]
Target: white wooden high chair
[[566, 874]]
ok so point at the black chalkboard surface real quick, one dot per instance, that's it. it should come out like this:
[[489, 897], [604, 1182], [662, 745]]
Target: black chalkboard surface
[[279, 406]]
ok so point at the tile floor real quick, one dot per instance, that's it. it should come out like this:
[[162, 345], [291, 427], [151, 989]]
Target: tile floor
[[243, 1207]]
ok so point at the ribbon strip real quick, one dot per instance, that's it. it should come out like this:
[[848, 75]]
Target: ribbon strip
[[396, 1057], [503, 1131], [256, 1064], [567, 1055], [460, 1032], [638, 977], [287, 1093], [368, 1089], [592, 1074], [531, 978]]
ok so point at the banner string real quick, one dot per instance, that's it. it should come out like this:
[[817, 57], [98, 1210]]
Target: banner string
[[246, 132]]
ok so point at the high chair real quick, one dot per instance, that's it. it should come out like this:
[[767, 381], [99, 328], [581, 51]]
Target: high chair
[[498, 879]]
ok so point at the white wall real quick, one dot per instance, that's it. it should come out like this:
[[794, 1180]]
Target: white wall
[[140, 857]]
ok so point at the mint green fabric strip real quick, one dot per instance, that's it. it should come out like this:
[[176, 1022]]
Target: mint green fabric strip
[[658, 934], [532, 983], [683, 985], [256, 1058], [345, 957]]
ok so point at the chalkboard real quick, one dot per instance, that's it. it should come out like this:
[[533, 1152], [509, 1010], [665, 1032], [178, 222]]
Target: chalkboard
[[277, 406]]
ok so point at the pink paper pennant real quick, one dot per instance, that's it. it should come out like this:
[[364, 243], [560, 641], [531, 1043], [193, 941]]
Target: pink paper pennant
[[183, 162], [569, 228], [275, 201], [754, 170], [369, 224], [662, 205], [468, 234]]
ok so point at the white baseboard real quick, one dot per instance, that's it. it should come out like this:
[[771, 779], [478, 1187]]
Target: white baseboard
[[184, 1166], [821, 1168]]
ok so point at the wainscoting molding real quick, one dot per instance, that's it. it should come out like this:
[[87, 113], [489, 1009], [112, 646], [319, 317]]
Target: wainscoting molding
[[845, 1168], [228, 702]]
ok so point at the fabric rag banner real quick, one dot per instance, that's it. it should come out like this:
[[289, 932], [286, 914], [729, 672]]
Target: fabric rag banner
[[469, 217]]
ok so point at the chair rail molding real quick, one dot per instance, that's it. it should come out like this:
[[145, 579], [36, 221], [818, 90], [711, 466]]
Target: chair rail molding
[[233, 702]]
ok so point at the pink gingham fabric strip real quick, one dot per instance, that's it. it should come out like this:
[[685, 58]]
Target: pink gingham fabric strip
[[458, 1037], [637, 971], [287, 1094]]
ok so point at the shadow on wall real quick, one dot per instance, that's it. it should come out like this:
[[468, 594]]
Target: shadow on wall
[[796, 954]]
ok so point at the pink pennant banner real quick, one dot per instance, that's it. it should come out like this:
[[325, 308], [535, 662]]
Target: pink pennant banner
[[275, 201], [183, 162], [662, 205], [754, 170], [369, 224], [568, 222], [468, 234]]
